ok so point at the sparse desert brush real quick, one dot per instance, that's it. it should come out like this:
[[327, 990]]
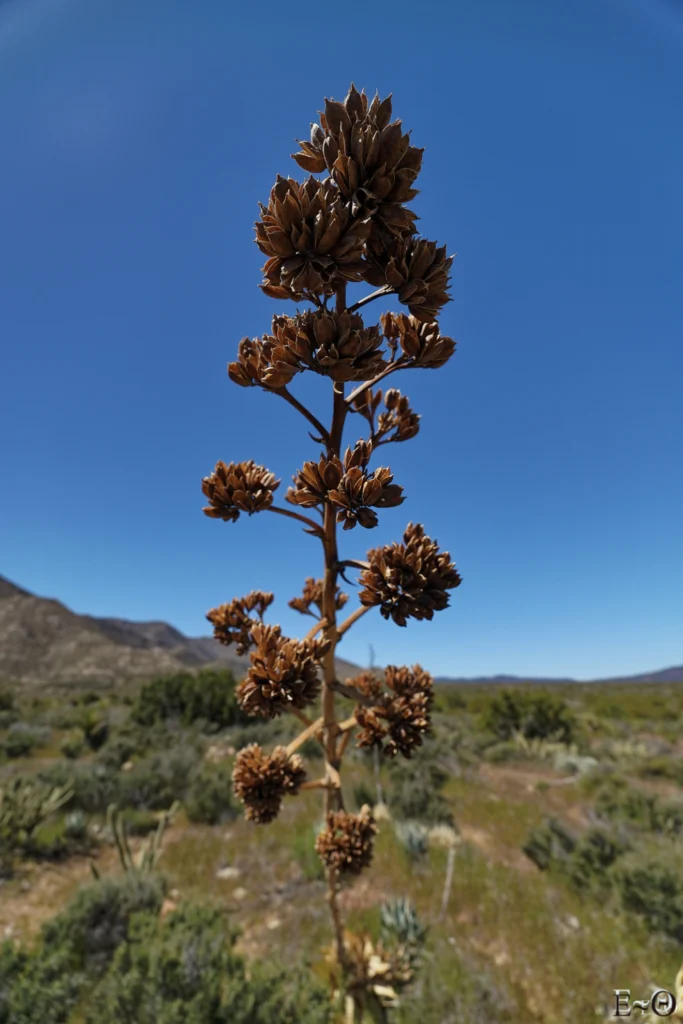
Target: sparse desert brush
[[352, 225]]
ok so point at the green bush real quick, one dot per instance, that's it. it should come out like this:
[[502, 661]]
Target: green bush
[[73, 745], [619, 802], [23, 738], [158, 779], [96, 921], [584, 861], [414, 791], [209, 799], [36, 988], [208, 696], [184, 970], [650, 884], [536, 715]]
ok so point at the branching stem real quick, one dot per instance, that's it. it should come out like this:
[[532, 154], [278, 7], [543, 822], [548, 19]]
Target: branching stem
[[296, 515], [353, 617], [384, 290], [289, 397]]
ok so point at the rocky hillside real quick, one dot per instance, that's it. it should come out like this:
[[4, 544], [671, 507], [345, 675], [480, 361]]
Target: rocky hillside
[[43, 643]]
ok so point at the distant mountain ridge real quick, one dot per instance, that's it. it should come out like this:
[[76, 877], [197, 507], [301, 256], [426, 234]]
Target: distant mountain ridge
[[664, 675], [42, 642]]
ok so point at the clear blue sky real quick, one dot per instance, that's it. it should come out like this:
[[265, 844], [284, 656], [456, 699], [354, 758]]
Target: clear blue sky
[[138, 137]]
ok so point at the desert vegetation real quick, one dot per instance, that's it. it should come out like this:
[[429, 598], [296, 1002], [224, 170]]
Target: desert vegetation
[[564, 854]]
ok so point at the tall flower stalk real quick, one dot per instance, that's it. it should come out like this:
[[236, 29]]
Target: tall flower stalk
[[351, 225]]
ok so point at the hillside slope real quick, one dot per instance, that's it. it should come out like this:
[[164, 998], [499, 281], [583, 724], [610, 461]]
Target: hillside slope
[[42, 642]]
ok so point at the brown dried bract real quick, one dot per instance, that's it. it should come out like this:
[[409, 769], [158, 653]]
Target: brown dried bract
[[261, 780], [283, 673], [370, 159], [313, 595], [401, 715], [232, 623], [347, 485], [312, 240], [418, 271], [263, 362], [409, 580], [422, 343], [238, 487], [346, 842]]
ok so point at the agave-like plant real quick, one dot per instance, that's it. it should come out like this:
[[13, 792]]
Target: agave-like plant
[[350, 225]]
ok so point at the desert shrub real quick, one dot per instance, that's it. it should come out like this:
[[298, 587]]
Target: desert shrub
[[183, 970], [415, 791], [535, 715], [158, 779], [619, 802], [650, 884], [73, 745], [93, 787], [662, 768], [584, 861], [208, 696], [36, 987], [25, 805], [93, 722], [209, 799], [23, 738], [96, 920]]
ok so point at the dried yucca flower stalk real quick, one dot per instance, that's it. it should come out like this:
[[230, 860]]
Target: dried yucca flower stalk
[[351, 225]]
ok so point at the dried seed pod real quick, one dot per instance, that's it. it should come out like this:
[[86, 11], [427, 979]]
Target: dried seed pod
[[283, 673], [312, 240], [313, 595], [336, 345], [232, 622], [346, 842], [238, 487], [369, 158], [263, 362], [348, 486], [261, 781], [409, 580], [399, 422], [420, 342], [418, 271], [400, 716]]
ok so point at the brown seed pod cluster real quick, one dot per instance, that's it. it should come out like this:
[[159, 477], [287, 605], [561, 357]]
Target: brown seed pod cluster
[[283, 673], [418, 271], [400, 715], [397, 423], [370, 159], [346, 842], [312, 240], [313, 595], [420, 342], [233, 622], [261, 781], [409, 580], [347, 485], [238, 487]]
